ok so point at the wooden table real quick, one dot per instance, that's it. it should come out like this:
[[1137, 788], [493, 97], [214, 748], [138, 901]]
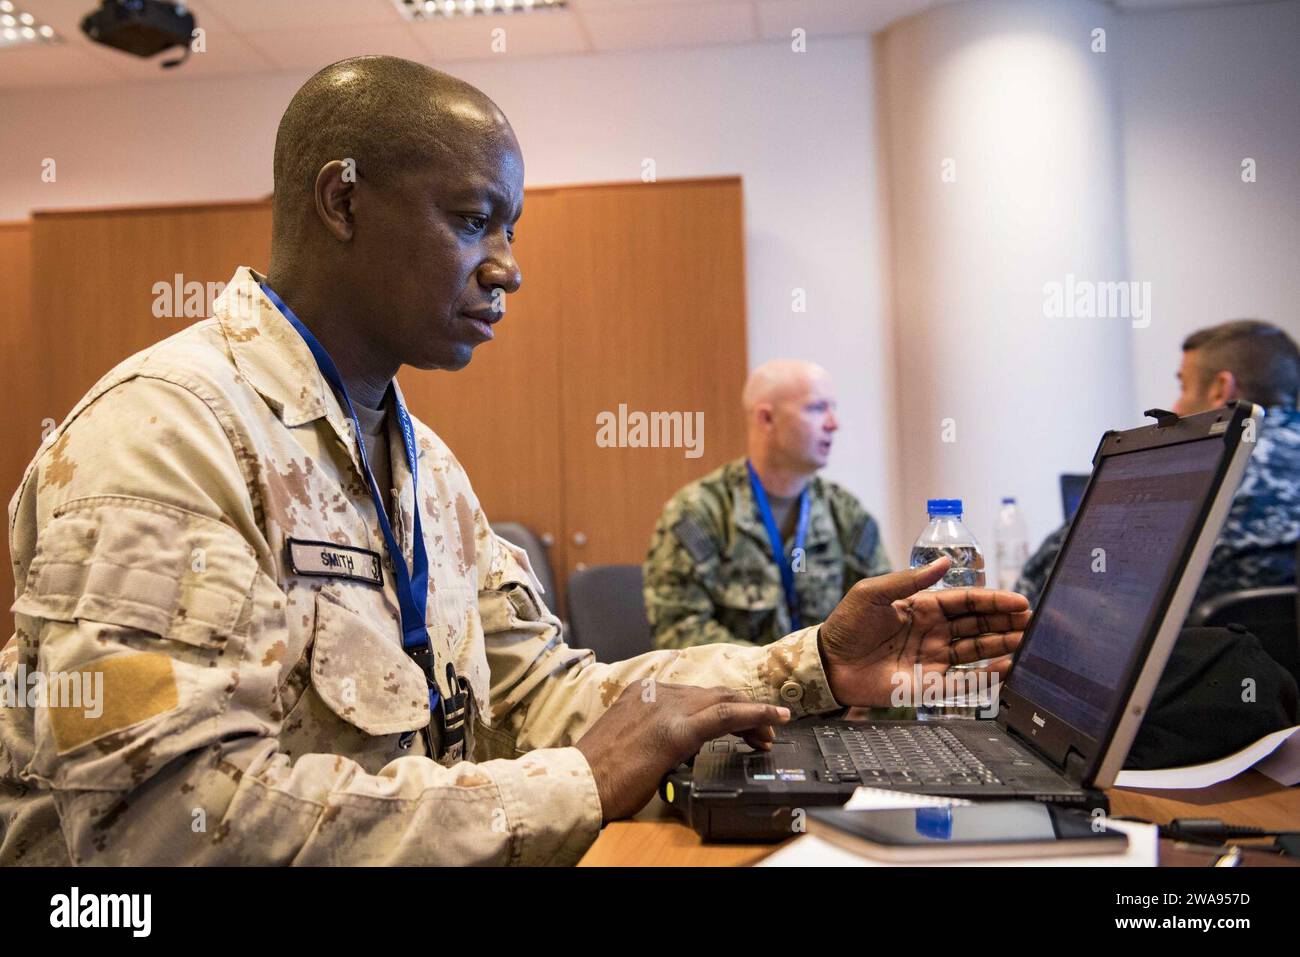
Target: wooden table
[[657, 838]]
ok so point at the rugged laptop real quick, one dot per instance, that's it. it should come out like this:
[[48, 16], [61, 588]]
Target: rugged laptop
[[1083, 675]]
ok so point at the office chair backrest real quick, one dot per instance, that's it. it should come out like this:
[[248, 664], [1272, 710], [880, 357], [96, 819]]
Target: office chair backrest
[[607, 612], [521, 535], [1269, 614]]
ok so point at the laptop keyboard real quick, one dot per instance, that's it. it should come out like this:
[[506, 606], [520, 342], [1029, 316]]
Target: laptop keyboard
[[899, 754]]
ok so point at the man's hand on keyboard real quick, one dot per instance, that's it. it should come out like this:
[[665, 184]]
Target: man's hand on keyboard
[[641, 738], [887, 627]]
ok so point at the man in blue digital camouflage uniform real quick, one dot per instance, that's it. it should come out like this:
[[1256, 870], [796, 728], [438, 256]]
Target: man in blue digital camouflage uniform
[[1258, 362]]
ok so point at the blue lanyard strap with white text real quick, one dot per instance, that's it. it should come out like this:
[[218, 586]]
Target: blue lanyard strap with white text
[[412, 585], [783, 562]]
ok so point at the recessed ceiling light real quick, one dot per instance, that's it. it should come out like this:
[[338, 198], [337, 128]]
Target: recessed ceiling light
[[418, 10], [22, 28]]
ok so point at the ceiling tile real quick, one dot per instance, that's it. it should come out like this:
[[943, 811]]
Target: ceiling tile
[[223, 53], [256, 16], [313, 49], [207, 14], [55, 65], [526, 34], [1140, 5], [261, 36], [66, 15], [822, 17], [637, 26], [582, 6]]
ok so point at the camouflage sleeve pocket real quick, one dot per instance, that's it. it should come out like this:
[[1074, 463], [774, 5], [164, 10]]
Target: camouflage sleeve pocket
[[140, 564], [111, 576], [511, 577]]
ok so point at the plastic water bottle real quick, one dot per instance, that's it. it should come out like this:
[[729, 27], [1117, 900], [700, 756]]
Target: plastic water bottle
[[1011, 544], [947, 536]]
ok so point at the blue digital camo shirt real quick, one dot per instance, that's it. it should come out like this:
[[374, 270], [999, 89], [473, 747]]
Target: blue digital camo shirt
[[1257, 547]]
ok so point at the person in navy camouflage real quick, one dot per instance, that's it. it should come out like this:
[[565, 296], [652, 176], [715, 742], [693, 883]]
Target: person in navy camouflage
[[1258, 362]]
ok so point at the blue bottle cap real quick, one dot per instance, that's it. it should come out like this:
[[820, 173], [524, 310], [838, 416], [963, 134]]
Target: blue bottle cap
[[944, 506], [1008, 501]]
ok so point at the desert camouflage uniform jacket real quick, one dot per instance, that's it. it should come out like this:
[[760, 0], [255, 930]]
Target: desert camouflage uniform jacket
[[1257, 546], [710, 575], [253, 715]]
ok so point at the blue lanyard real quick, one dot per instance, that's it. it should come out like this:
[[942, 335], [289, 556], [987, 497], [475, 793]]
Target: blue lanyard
[[783, 562], [412, 585]]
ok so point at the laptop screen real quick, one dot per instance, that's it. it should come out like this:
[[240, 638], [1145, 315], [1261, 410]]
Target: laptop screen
[[1128, 540]]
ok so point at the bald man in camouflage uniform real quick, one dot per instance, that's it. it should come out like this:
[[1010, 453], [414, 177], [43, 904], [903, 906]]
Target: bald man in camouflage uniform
[[710, 573], [1259, 363]]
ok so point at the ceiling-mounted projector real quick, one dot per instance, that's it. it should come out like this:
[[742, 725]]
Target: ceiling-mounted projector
[[141, 27]]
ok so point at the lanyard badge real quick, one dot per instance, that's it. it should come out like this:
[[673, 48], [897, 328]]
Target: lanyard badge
[[412, 583], [784, 563]]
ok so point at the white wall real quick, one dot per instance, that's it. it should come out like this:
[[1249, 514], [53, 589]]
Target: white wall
[[1011, 93], [1122, 165], [1202, 90], [796, 127]]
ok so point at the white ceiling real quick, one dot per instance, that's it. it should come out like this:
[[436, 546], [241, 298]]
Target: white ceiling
[[265, 36]]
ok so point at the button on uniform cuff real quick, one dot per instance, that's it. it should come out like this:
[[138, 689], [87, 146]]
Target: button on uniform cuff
[[790, 672]]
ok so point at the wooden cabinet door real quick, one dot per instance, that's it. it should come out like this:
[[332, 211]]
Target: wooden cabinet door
[[94, 294], [20, 371], [654, 321]]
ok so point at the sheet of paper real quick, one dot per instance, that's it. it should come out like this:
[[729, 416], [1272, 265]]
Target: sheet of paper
[[1283, 765], [812, 851], [1203, 775]]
